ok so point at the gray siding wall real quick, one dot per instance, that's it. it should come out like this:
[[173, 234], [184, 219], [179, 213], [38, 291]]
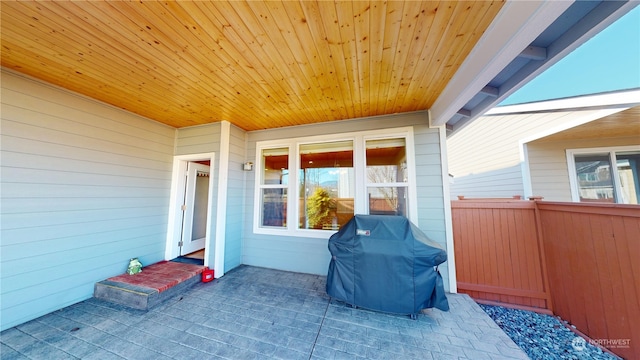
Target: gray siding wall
[[206, 139], [310, 255], [85, 187], [431, 197], [235, 198], [548, 164], [199, 140]]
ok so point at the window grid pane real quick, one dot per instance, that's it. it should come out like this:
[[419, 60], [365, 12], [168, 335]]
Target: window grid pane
[[274, 208], [326, 185], [386, 161], [387, 200], [274, 183], [387, 176], [275, 166], [595, 180], [628, 166]]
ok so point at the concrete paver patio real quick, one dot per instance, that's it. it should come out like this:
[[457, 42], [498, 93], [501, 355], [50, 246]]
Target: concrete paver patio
[[257, 313]]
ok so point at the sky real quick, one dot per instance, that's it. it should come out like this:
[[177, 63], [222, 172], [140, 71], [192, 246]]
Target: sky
[[608, 61]]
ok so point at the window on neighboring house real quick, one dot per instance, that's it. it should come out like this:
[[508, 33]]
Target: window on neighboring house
[[314, 185], [594, 179]]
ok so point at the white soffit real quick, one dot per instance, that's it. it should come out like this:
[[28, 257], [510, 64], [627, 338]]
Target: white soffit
[[579, 118], [518, 23]]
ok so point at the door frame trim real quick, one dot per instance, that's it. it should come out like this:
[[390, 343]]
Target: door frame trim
[[189, 244], [174, 223]]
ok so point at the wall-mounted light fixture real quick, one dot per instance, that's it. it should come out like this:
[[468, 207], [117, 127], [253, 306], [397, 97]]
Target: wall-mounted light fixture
[[248, 166]]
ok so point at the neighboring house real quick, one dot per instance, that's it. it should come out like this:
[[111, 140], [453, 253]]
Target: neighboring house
[[87, 185], [562, 150]]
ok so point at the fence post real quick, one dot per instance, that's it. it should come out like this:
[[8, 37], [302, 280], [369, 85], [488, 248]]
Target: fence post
[[541, 251]]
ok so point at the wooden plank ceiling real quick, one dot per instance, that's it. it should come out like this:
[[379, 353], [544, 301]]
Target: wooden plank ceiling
[[258, 64]]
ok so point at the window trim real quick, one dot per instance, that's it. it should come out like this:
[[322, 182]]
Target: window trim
[[411, 179], [361, 185], [611, 152], [259, 186]]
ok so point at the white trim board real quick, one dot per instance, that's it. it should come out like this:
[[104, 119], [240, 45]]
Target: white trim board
[[451, 259], [221, 213], [174, 223], [619, 100]]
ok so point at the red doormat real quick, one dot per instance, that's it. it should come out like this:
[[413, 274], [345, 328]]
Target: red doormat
[[161, 276]]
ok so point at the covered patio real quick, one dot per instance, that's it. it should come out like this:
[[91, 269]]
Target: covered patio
[[258, 313], [113, 112]]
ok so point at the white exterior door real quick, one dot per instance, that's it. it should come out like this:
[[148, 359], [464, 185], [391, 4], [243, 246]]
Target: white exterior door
[[195, 208]]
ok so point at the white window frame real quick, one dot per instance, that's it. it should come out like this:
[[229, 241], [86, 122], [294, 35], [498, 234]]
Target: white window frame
[[368, 184], [260, 186], [611, 151], [359, 165]]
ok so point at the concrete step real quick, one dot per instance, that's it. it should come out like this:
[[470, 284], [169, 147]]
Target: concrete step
[[155, 284]]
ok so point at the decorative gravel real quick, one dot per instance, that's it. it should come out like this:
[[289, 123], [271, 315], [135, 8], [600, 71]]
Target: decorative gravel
[[543, 336]]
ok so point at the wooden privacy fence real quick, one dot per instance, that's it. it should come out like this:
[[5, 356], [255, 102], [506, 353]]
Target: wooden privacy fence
[[580, 261], [498, 252], [593, 258]]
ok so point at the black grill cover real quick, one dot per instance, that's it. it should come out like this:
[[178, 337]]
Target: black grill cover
[[386, 263]]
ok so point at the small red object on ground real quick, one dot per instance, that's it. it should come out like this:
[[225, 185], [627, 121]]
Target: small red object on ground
[[207, 275]]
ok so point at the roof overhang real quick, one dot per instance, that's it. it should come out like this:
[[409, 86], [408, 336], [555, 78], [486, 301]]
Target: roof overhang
[[612, 123], [525, 39], [605, 115]]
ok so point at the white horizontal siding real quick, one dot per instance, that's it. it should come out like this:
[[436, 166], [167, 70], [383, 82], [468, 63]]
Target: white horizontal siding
[[85, 187], [503, 183], [489, 147], [548, 164]]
